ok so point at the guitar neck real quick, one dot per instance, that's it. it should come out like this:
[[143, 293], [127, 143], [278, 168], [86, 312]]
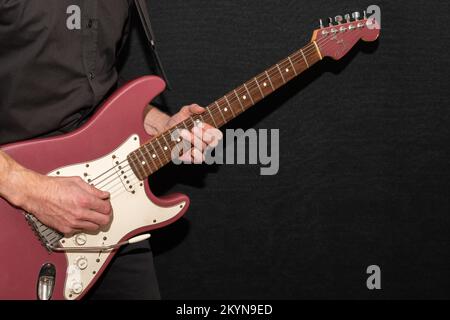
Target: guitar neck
[[156, 153]]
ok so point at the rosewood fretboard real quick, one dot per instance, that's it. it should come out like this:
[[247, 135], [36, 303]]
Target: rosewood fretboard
[[156, 153]]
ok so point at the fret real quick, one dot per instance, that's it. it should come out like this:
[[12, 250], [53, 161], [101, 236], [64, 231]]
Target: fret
[[229, 105], [196, 120], [155, 154], [265, 87], [175, 135], [270, 80], [150, 155], [162, 150], [212, 118], [317, 49], [259, 87], [185, 125], [178, 141], [167, 144], [240, 102], [304, 57], [193, 122], [221, 113], [246, 95], [292, 64], [285, 65], [136, 164], [245, 86], [144, 161], [278, 66]]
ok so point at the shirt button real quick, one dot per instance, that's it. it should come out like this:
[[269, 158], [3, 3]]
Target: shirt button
[[91, 75], [90, 23]]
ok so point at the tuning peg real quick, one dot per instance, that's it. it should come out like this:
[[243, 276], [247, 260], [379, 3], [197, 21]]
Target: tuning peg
[[330, 22], [365, 15], [347, 18], [338, 19], [356, 15], [321, 24]]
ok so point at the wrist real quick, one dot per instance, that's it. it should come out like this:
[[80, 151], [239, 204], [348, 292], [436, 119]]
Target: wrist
[[20, 185], [156, 121]]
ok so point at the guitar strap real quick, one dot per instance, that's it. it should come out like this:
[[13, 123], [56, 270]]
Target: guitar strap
[[142, 9]]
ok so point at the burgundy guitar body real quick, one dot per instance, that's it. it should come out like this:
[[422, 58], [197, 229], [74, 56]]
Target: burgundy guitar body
[[22, 255]]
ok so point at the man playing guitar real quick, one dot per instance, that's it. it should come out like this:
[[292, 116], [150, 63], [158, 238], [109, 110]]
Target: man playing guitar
[[52, 77]]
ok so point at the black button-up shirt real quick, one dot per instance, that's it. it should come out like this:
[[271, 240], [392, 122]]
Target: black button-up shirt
[[57, 62]]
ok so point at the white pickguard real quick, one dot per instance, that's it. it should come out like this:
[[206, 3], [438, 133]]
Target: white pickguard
[[132, 210]]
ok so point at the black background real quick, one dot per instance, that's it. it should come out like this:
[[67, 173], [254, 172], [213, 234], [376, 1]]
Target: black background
[[364, 154]]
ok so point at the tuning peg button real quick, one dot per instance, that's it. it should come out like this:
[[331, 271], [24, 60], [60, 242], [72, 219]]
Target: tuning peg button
[[356, 15], [338, 19], [330, 22]]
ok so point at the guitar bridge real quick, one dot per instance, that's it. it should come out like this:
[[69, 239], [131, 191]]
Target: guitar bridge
[[47, 236]]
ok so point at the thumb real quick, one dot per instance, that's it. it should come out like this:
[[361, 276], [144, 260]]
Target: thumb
[[196, 109]]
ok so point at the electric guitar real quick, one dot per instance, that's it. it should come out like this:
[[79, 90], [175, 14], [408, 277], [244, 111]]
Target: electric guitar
[[113, 153]]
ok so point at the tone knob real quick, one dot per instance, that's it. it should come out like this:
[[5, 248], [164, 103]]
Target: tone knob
[[77, 287], [81, 239], [81, 262]]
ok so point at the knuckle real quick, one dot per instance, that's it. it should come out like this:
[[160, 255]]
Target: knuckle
[[93, 227], [105, 220], [78, 180], [66, 230], [83, 201]]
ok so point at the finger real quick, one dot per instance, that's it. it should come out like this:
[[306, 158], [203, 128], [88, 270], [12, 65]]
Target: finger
[[100, 206], [86, 226], [94, 191], [186, 157], [198, 139], [197, 156], [217, 136], [194, 138], [212, 137], [95, 217], [196, 109]]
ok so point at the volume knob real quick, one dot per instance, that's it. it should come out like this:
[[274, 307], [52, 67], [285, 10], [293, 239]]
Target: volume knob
[[81, 239]]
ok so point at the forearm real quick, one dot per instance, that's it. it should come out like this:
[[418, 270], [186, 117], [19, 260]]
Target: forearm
[[155, 121], [14, 180]]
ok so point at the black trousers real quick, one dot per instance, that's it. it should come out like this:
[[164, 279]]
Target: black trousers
[[130, 276]]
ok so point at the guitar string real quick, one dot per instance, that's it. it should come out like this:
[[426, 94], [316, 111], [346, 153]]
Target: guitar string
[[214, 112], [252, 88], [307, 52]]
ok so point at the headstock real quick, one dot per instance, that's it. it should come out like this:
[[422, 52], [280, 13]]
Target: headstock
[[336, 39]]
